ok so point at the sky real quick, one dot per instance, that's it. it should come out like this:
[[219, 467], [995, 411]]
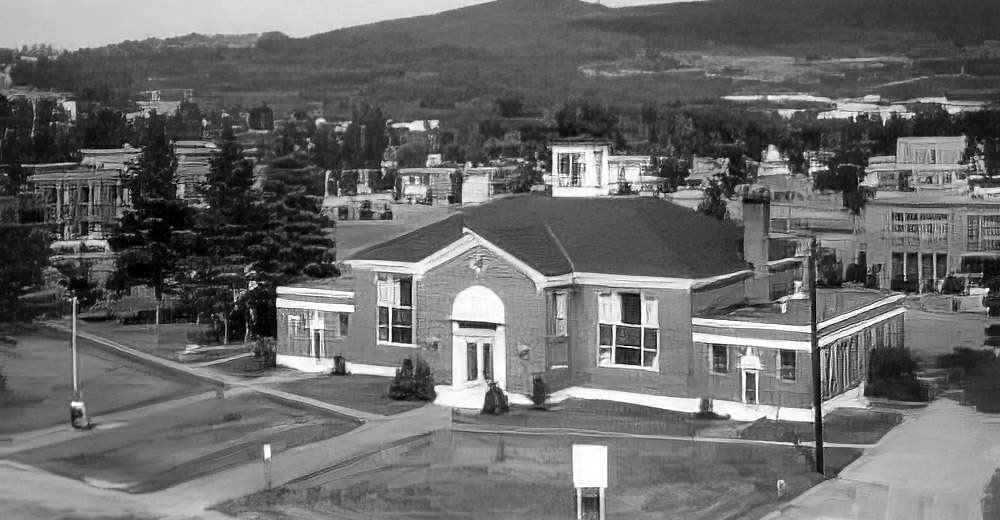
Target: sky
[[71, 24]]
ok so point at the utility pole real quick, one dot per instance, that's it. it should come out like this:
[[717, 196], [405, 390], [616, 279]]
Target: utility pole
[[814, 344]]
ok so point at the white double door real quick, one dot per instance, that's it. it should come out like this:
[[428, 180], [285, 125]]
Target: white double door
[[476, 360]]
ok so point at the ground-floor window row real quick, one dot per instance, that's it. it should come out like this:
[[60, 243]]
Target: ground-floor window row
[[310, 331], [726, 359]]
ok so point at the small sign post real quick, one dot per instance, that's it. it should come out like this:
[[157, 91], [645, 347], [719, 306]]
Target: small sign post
[[267, 466], [590, 471]]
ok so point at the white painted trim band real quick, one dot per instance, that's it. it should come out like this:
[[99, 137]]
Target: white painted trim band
[[858, 327], [847, 315], [750, 325], [309, 291], [370, 370], [699, 337], [282, 303]]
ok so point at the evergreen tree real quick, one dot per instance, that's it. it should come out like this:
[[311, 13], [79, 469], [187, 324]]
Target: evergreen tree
[[154, 236], [23, 255], [714, 203], [230, 229]]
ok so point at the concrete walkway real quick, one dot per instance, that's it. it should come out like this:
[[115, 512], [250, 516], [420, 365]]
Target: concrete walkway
[[935, 466]]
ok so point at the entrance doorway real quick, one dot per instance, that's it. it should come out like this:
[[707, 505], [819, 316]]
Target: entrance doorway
[[317, 345], [479, 360], [478, 339], [750, 387]]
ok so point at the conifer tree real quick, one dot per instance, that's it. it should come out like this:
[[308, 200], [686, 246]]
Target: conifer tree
[[154, 235], [230, 228]]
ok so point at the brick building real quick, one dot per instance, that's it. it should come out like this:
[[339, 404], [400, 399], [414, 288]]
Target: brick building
[[915, 242], [628, 299]]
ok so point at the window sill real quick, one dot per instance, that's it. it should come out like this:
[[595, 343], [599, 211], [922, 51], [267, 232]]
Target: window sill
[[630, 367], [558, 367], [401, 345], [714, 373]]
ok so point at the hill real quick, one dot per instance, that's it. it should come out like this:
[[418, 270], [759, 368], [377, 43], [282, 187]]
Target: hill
[[546, 50]]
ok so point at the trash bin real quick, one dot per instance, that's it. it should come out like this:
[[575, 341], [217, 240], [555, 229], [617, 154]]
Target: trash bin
[[78, 415], [339, 366]]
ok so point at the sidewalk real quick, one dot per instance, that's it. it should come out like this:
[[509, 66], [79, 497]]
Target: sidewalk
[[935, 466]]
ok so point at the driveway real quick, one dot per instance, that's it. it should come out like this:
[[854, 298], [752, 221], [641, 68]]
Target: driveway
[[935, 466]]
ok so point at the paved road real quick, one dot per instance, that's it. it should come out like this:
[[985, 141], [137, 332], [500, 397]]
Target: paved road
[[935, 466]]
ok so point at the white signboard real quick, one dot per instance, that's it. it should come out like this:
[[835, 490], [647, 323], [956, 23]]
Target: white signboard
[[267, 452], [590, 466]]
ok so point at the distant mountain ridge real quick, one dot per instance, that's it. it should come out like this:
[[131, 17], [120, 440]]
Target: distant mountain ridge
[[547, 50]]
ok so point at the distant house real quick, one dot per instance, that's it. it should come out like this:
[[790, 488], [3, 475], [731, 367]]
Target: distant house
[[261, 118], [704, 169], [584, 167], [920, 163], [192, 167], [631, 300], [429, 185]]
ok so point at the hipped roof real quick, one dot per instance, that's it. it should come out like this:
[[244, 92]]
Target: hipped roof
[[640, 236]]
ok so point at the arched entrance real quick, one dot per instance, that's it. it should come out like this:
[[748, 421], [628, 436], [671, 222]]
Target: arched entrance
[[478, 342]]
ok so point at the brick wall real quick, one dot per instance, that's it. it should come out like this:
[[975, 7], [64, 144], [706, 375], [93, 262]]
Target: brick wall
[[524, 308], [675, 355]]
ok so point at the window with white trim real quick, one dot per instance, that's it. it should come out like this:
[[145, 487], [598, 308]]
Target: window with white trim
[[720, 359], [395, 309], [557, 313], [628, 330], [786, 365], [294, 325]]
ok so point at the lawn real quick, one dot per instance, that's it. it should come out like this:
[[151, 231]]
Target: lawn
[[166, 343], [39, 381], [365, 393], [465, 475], [848, 426], [183, 444], [607, 416]]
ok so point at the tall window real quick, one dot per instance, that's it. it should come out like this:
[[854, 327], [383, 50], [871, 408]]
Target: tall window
[[720, 359], [571, 169], [973, 233], [786, 365], [395, 309], [629, 332], [557, 313]]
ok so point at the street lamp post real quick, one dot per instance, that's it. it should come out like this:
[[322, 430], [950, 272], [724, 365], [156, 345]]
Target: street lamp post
[[78, 411]]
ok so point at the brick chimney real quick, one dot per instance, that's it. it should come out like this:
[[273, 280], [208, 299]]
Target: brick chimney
[[756, 228]]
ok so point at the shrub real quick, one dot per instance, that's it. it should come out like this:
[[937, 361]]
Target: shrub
[[539, 392], [953, 285], [496, 401], [413, 382], [965, 361], [892, 374]]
